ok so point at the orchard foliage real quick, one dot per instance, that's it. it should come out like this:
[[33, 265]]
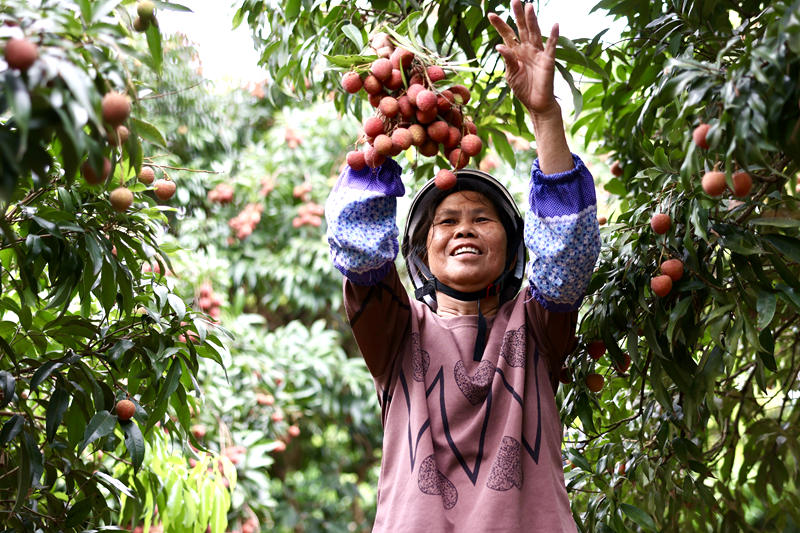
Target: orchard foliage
[[89, 314]]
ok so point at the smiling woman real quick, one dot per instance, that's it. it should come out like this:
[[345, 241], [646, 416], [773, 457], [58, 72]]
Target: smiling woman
[[466, 372]]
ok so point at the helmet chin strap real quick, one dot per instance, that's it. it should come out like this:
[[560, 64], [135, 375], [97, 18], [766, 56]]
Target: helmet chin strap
[[433, 285]]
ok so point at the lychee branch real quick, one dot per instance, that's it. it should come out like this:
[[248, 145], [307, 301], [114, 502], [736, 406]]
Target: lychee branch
[[171, 93]]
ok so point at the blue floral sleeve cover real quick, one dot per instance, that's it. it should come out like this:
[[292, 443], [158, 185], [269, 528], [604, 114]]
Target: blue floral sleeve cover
[[562, 236], [361, 216]]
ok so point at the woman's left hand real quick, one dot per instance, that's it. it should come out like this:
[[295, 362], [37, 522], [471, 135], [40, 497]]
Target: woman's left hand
[[530, 66]]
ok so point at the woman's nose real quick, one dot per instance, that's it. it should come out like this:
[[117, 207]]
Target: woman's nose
[[464, 229]]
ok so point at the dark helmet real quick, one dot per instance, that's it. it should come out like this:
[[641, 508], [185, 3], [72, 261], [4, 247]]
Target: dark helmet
[[416, 230]]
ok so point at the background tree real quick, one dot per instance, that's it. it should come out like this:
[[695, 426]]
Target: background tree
[[98, 353]]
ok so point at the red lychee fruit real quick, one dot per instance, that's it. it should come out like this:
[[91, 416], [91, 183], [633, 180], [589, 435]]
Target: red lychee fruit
[[429, 148], [351, 82], [435, 73], [21, 54], [402, 138], [264, 398], [426, 100], [373, 158], [91, 175], [714, 183], [164, 189], [742, 183], [625, 365], [660, 223], [372, 84], [383, 144], [373, 126], [453, 138], [406, 109], [147, 175], [426, 117], [401, 58], [389, 106], [471, 145], [356, 160], [381, 69], [672, 268], [395, 81], [444, 101], [118, 136], [458, 158], [125, 409], [594, 382], [418, 135], [596, 349], [661, 285], [601, 221], [413, 91], [616, 169], [293, 431], [121, 199], [699, 136], [438, 131], [445, 179], [471, 127], [565, 375], [116, 107], [461, 94]]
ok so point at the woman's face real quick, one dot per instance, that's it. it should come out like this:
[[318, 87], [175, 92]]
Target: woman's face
[[466, 242]]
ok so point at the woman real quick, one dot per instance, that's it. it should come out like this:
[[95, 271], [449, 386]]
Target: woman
[[466, 373]]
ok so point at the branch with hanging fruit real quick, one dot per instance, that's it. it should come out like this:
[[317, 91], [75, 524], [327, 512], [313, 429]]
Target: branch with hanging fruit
[[416, 104]]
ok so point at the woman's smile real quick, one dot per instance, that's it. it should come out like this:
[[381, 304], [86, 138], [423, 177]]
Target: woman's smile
[[466, 242]]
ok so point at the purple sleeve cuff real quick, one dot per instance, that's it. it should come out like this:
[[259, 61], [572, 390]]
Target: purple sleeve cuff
[[553, 306], [386, 179], [563, 193], [372, 277]]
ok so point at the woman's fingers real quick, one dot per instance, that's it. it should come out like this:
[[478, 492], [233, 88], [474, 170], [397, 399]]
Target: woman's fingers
[[532, 25], [505, 31], [552, 41], [519, 16], [512, 66]]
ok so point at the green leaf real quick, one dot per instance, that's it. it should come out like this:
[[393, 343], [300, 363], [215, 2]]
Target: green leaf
[[101, 424], [637, 515], [148, 132], [103, 8], [767, 301], [55, 412], [43, 372], [616, 186], [354, 34], [177, 305], [7, 386], [292, 10], [110, 482], [348, 61], [11, 429], [17, 95], [154, 44], [134, 442], [502, 145], [788, 246], [584, 410]]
